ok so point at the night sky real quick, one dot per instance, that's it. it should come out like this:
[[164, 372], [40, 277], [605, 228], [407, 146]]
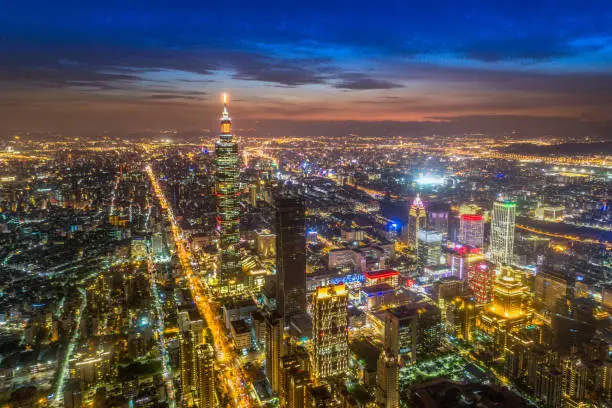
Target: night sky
[[466, 65]]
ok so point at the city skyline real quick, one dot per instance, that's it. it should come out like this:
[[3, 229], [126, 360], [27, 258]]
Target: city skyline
[[407, 204], [541, 68]]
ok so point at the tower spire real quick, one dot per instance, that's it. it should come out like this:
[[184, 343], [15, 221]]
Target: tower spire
[[226, 121]]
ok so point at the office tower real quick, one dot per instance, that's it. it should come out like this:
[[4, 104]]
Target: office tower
[[548, 288], [502, 232], [296, 388], [508, 295], [290, 257], [515, 364], [187, 362], [437, 218], [417, 219], [330, 331], [227, 161], [460, 317], [575, 375], [548, 388], [413, 330], [481, 280], [430, 247], [287, 364], [461, 258], [387, 380], [471, 230], [205, 358], [274, 349]]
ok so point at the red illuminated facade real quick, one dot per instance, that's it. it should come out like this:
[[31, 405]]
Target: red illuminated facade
[[388, 276], [481, 279]]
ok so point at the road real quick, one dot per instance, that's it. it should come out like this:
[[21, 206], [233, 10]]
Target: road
[[58, 395], [236, 384], [159, 328]]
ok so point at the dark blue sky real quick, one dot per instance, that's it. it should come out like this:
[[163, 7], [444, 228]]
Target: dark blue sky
[[129, 65]]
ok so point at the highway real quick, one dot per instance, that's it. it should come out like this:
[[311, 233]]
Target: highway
[[159, 328], [224, 351], [564, 236]]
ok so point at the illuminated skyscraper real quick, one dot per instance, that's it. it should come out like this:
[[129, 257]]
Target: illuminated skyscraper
[[481, 279], [227, 160], [471, 230], [330, 331], [187, 363], [387, 380], [417, 219], [205, 358], [575, 376], [290, 257], [274, 349], [502, 232], [508, 295]]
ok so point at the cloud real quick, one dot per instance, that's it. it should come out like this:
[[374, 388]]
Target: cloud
[[354, 81]]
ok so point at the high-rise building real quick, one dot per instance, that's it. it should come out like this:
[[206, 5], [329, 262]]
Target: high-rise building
[[508, 295], [548, 388], [330, 331], [296, 388], [290, 257], [471, 230], [548, 288], [502, 232], [205, 358], [413, 330], [387, 380], [575, 376], [227, 161], [481, 280], [289, 365], [274, 349], [429, 247], [187, 362], [417, 220]]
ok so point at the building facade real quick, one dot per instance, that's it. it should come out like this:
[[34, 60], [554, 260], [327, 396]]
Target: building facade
[[227, 160], [330, 331], [502, 232], [290, 257]]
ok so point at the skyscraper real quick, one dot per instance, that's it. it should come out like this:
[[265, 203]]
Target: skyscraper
[[548, 387], [205, 358], [387, 380], [481, 280], [471, 230], [502, 232], [575, 374], [413, 330], [508, 295], [330, 331], [417, 219], [227, 161], [290, 257], [187, 362], [274, 349]]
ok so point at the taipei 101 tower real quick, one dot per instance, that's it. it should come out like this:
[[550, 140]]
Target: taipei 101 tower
[[227, 160]]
